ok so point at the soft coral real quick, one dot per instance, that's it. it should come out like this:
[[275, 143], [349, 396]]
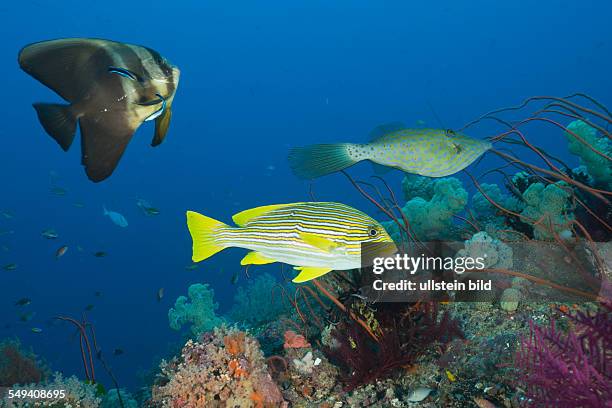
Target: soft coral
[[401, 341], [573, 369]]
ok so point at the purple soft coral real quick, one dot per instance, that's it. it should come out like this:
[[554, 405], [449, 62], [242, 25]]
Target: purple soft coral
[[573, 369]]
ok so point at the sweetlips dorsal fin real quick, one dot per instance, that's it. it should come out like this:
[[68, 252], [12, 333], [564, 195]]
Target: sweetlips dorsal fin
[[243, 217], [384, 129]]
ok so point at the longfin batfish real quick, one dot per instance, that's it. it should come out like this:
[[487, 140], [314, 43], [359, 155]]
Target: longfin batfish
[[111, 88]]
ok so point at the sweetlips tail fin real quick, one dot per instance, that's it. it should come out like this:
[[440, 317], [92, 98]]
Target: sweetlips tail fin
[[203, 231]]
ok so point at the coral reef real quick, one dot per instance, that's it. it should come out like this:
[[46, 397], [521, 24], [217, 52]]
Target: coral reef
[[404, 336], [77, 394], [488, 215], [294, 340], [569, 369], [18, 366], [432, 218], [308, 376], [111, 399], [549, 207], [225, 368], [496, 254], [248, 309], [598, 167], [198, 310]]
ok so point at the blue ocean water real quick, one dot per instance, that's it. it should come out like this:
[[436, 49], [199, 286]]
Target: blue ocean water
[[257, 78]]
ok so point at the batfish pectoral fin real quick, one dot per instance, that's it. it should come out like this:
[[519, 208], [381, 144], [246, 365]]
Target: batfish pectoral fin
[[316, 241], [243, 217], [309, 273], [161, 126], [103, 142], [58, 121], [256, 258]]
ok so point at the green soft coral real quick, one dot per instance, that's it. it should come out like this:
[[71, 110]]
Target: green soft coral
[[487, 214], [254, 304], [599, 167], [432, 218], [548, 209], [198, 310]]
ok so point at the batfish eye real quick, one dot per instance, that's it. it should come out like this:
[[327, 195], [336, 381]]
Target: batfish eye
[[373, 232]]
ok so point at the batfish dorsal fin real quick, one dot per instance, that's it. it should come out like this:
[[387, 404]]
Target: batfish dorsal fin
[[66, 66], [384, 129], [243, 217], [103, 141], [161, 127]]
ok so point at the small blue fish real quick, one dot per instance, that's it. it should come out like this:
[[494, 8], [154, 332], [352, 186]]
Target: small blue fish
[[116, 218]]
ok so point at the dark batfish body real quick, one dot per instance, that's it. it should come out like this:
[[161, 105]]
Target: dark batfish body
[[112, 88]]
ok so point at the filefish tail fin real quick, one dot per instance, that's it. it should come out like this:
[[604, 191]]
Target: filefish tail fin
[[314, 161], [58, 121], [203, 231]]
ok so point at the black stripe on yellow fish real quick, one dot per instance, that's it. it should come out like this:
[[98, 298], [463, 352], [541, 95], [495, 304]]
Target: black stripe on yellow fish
[[111, 88], [282, 233]]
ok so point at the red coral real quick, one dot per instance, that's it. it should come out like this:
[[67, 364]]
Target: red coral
[[403, 339], [294, 340], [16, 367], [573, 369], [234, 343]]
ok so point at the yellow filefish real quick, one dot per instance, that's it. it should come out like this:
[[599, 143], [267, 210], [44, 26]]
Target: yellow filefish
[[428, 152], [315, 237]]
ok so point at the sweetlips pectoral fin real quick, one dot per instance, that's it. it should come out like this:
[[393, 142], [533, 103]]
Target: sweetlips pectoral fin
[[161, 126], [103, 142], [309, 273], [58, 121], [316, 241], [256, 258]]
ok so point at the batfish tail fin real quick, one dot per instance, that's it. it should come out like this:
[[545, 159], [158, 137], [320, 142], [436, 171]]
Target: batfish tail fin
[[203, 232], [58, 121], [318, 160]]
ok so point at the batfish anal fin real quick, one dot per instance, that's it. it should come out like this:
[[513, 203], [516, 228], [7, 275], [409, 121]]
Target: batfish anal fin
[[244, 217], [316, 241], [256, 258], [161, 126], [309, 273], [58, 121], [103, 142]]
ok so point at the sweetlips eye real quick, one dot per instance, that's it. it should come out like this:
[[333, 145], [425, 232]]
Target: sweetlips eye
[[373, 232]]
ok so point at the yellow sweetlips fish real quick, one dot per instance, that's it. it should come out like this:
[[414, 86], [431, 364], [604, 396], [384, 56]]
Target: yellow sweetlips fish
[[428, 152], [315, 237]]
